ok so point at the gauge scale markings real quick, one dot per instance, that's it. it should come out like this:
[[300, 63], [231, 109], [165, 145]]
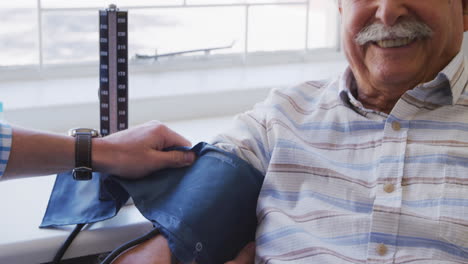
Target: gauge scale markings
[[113, 70]]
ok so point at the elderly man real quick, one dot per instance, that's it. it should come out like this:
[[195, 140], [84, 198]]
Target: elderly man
[[371, 167]]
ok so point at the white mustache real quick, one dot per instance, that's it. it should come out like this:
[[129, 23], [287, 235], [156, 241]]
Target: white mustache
[[411, 29]]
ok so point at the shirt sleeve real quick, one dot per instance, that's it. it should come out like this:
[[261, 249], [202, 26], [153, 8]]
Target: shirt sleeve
[[5, 146], [248, 137]]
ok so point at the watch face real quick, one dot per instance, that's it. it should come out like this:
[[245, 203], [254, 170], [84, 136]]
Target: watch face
[[94, 132]]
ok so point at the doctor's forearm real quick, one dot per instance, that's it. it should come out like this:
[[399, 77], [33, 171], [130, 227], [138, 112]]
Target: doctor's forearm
[[132, 153], [35, 153]]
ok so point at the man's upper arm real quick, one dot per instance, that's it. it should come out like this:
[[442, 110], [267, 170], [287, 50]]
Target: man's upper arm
[[248, 136]]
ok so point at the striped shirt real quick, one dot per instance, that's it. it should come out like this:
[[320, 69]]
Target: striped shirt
[[346, 184], [5, 146]]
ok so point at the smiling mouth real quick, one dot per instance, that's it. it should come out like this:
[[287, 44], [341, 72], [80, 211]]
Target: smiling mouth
[[394, 43]]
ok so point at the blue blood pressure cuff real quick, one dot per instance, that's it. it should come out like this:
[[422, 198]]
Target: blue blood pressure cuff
[[206, 211]]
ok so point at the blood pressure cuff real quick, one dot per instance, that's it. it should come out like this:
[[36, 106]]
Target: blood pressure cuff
[[206, 211]]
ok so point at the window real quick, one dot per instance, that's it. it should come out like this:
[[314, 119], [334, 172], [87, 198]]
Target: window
[[57, 32], [49, 56]]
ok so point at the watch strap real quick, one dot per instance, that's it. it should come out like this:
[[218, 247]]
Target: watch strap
[[83, 167]]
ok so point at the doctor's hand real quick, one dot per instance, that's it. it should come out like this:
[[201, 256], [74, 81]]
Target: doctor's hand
[[136, 152]]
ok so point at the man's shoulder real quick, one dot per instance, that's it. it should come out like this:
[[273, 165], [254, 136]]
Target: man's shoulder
[[306, 92]]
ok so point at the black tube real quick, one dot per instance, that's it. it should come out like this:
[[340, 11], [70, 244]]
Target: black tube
[[66, 244], [116, 252]]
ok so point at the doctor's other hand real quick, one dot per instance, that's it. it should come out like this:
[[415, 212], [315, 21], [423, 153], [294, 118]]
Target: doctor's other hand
[[136, 152]]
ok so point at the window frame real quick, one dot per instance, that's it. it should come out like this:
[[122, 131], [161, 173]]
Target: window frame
[[245, 58]]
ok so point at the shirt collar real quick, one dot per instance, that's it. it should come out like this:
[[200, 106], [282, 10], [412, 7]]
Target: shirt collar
[[457, 76], [347, 88], [445, 89]]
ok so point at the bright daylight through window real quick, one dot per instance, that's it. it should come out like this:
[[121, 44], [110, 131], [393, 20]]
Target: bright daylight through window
[[57, 32]]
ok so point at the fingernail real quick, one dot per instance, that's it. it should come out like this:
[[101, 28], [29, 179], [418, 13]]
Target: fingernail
[[189, 157]]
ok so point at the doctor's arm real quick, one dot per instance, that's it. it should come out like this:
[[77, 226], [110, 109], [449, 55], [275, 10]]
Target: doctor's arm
[[131, 153]]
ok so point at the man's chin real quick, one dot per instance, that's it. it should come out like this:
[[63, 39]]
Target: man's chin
[[397, 77]]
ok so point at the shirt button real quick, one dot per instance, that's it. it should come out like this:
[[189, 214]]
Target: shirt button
[[396, 125], [199, 247], [381, 249], [389, 188]]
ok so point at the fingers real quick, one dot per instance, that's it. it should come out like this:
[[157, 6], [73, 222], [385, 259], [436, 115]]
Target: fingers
[[173, 159], [166, 136], [245, 256], [174, 139], [136, 152]]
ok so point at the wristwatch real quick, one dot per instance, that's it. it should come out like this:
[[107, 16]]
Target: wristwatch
[[83, 170]]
